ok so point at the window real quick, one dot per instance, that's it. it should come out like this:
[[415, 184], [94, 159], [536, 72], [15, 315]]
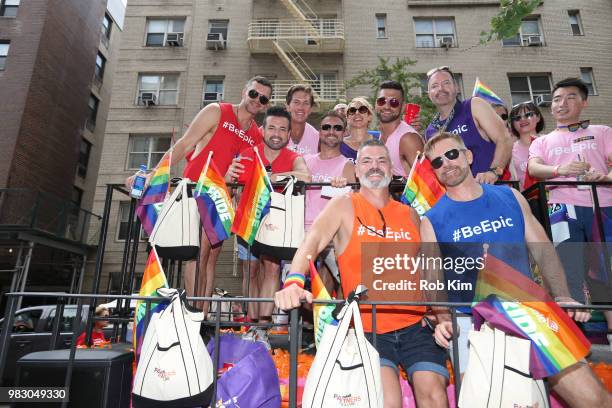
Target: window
[[575, 22], [66, 323], [327, 86], [4, 48], [381, 26], [435, 32], [586, 74], [100, 65], [26, 321], [8, 8], [164, 88], [107, 25], [77, 196], [124, 216], [213, 90], [458, 80], [93, 104], [526, 87], [218, 27], [158, 31], [529, 34], [147, 150], [83, 162]]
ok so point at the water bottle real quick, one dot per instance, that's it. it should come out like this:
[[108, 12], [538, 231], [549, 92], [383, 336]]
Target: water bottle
[[139, 182]]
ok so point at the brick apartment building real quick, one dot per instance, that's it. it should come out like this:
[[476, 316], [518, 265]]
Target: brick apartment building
[[177, 56]]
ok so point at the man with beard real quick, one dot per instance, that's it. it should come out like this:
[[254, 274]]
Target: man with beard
[[371, 216], [480, 206], [402, 140], [304, 138], [226, 130], [282, 162], [485, 134]]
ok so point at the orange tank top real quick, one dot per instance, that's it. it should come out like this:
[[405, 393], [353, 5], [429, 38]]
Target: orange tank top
[[400, 229]]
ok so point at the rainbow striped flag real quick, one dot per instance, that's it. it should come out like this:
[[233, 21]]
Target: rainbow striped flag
[[481, 90], [422, 189], [214, 203], [517, 305], [254, 203], [152, 279], [322, 313], [150, 204]]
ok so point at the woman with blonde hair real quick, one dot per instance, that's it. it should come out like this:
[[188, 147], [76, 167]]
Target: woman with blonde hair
[[359, 116]]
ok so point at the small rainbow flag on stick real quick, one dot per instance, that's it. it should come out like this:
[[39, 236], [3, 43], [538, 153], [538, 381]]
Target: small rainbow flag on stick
[[152, 279], [214, 203], [254, 203], [322, 313], [149, 205], [422, 189], [481, 90], [517, 305]]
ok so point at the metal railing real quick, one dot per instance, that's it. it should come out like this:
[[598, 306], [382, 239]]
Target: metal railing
[[327, 91], [262, 29]]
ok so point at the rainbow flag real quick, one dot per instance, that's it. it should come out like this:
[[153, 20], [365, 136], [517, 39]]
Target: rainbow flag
[[422, 189], [481, 90], [214, 203], [152, 279], [322, 313], [515, 304], [254, 204], [149, 205]]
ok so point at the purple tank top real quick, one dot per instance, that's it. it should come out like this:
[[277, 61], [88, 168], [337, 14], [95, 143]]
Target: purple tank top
[[463, 125]]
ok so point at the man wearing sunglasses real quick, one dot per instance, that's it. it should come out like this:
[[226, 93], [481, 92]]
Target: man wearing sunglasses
[[304, 138], [482, 130], [402, 140], [226, 130], [372, 216], [501, 218]]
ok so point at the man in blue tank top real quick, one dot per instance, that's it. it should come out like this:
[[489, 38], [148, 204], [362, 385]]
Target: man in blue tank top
[[479, 214], [482, 130]]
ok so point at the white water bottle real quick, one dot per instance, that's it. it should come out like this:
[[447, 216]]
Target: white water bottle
[[139, 182]]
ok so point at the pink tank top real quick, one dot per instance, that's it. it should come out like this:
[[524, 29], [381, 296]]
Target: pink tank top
[[322, 171], [309, 143], [393, 143]]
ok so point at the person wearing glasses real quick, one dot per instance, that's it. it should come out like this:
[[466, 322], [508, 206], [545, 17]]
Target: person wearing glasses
[[482, 130], [502, 112], [359, 116], [304, 138], [479, 205], [576, 150], [526, 123], [372, 216], [402, 140], [226, 130]]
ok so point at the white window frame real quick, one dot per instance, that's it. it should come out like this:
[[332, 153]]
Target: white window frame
[[206, 82], [158, 90], [166, 30], [4, 57], [589, 71], [149, 152], [123, 209], [524, 38], [436, 36], [211, 25], [529, 76], [381, 18], [576, 15]]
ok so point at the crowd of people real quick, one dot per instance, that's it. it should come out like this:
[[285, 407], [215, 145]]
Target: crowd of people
[[471, 145]]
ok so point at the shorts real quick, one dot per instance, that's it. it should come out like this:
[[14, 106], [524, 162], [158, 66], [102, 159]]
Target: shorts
[[244, 254], [413, 348]]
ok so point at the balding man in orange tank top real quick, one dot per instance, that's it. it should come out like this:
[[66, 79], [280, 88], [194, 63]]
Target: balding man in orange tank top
[[369, 216]]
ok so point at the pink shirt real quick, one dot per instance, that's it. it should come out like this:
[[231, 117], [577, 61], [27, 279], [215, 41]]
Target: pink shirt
[[393, 144], [322, 171], [309, 143], [520, 157], [594, 144]]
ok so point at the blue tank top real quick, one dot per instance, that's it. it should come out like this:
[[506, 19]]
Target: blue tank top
[[462, 227], [348, 152], [463, 124]]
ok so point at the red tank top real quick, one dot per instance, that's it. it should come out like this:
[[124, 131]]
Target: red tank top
[[226, 143], [282, 164]]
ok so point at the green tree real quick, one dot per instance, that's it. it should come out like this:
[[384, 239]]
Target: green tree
[[507, 22]]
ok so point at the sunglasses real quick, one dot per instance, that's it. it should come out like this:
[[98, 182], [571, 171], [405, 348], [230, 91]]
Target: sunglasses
[[263, 99], [393, 102], [583, 124], [452, 154], [504, 116], [337, 128], [526, 115], [353, 110], [438, 69]]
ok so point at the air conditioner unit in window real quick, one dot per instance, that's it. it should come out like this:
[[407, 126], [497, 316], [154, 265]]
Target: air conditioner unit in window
[[446, 41], [212, 97], [543, 99], [215, 41], [148, 98], [534, 40], [174, 39]]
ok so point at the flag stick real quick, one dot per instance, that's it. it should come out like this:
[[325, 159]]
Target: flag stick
[[263, 167]]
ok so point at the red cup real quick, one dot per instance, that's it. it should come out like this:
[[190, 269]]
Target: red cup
[[412, 111]]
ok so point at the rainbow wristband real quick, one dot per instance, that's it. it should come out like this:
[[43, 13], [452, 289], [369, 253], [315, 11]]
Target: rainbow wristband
[[294, 279]]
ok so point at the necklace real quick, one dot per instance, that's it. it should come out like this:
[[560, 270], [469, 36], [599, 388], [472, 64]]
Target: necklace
[[440, 124]]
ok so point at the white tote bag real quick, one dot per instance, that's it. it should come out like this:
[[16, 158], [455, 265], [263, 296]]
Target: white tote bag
[[497, 373], [281, 231], [175, 368], [176, 234], [346, 369]]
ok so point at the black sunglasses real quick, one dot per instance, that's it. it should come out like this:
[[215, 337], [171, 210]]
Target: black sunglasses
[[526, 115], [384, 228], [583, 124], [263, 99], [393, 102], [452, 154], [337, 128], [353, 110], [504, 116]]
